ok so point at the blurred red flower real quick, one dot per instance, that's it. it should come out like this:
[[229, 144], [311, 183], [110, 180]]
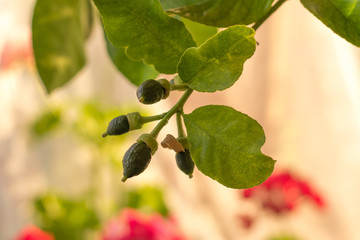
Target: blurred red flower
[[134, 225], [246, 221], [282, 192], [33, 233]]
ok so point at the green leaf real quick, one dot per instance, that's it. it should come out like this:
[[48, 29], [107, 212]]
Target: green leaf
[[221, 13], [343, 17], [199, 32], [135, 72], [59, 31], [218, 63], [146, 31], [169, 4], [225, 145]]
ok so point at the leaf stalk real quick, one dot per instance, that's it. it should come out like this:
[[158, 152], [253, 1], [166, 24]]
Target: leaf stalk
[[180, 87], [268, 14]]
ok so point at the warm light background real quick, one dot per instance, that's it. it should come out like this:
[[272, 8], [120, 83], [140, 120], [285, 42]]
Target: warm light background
[[302, 85]]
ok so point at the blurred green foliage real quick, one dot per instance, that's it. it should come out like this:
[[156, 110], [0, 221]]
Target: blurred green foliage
[[78, 218], [66, 218], [46, 122], [81, 217], [148, 199], [92, 119]]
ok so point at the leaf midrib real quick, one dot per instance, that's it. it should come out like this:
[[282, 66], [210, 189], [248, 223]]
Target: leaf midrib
[[217, 140]]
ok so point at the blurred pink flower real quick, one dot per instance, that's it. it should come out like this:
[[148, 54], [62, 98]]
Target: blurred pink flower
[[282, 193], [33, 233], [15, 52], [134, 225]]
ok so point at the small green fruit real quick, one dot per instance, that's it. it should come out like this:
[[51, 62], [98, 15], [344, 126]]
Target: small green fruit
[[136, 160], [185, 162], [151, 91], [117, 126]]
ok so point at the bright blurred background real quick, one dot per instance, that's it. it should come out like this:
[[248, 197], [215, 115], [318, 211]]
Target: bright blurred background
[[58, 174]]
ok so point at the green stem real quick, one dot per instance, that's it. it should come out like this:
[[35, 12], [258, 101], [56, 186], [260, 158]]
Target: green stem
[[179, 124], [179, 105], [153, 118], [180, 87], [268, 14]]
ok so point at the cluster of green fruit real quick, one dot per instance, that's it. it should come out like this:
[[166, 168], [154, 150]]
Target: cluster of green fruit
[[138, 156]]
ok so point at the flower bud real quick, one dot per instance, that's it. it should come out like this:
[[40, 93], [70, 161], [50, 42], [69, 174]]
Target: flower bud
[[124, 124], [185, 162], [138, 157], [152, 91], [136, 160], [117, 126]]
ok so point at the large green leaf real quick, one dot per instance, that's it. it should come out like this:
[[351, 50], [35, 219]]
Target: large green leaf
[[218, 63], [135, 72], [342, 16], [146, 31], [220, 13], [199, 32], [59, 31], [225, 145], [169, 4]]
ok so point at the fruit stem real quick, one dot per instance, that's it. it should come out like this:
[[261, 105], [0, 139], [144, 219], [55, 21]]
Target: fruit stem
[[179, 105], [180, 128], [180, 87], [268, 14], [152, 118]]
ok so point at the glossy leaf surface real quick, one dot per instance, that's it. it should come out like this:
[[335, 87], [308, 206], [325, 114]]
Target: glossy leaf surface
[[59, 31], [218, 63], [225, 145], [199, 32], [342, 16], [135, 72], [169, 4], [146, 31], [221, 13]]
